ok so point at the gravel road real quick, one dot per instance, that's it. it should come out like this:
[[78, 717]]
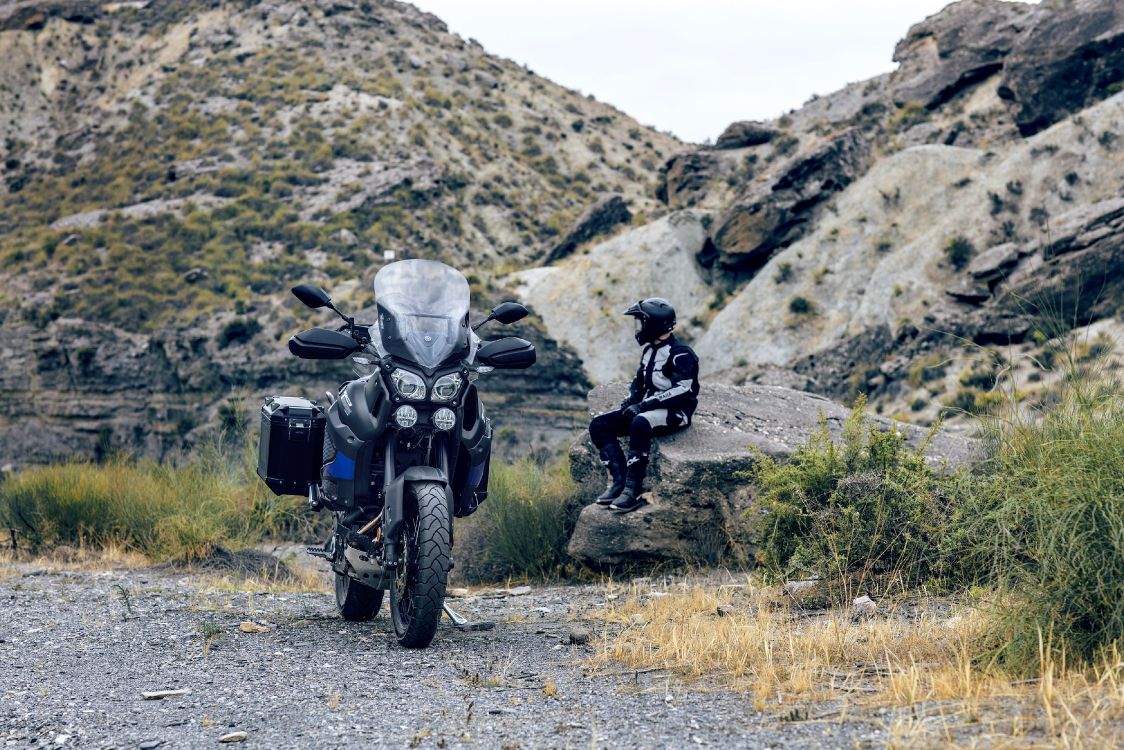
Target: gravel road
[[78, 649]]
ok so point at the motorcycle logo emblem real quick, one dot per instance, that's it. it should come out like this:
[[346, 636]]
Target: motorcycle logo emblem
[[428, 339]]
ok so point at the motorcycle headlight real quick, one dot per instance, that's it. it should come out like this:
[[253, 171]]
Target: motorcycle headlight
[[447, 387], [444, 418], [408, 384], [406, 416]]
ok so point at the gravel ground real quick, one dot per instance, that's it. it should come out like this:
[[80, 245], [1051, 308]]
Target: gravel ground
[[77, 649]]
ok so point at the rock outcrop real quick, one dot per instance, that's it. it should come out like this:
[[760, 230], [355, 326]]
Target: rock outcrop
[[745, 134], [698, 492], [1072, 57], [773, 214], [959, 47], [601, 218]]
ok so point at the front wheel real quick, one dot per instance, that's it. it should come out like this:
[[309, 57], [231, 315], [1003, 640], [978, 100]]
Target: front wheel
[[355, 601], [417, 593]]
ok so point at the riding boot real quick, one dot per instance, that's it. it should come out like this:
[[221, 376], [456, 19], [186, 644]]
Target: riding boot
[[612, 457], [633, 484]]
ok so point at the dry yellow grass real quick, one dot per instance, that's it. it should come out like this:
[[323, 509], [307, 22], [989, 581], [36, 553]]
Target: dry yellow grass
[[790, 660], [111, 556], [303, 579]]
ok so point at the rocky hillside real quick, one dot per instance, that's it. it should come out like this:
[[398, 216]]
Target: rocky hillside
[[910, 237], [170, 169]]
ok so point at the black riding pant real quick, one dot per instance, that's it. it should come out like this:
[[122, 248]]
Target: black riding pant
[[640, 430]]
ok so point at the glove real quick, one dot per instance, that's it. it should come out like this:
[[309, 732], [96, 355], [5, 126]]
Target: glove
[[631, 411]]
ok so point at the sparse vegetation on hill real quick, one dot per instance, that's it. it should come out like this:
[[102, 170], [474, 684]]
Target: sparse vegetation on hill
[[269, 151]]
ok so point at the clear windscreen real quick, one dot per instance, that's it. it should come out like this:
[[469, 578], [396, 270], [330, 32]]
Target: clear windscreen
[[423, 311]]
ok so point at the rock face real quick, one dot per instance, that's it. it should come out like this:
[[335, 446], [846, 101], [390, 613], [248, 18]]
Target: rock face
[[81, 389], [964, 44], [881, 257], [684, 177], [772, 215], [1071, 58], [600, 218], [697, 498]]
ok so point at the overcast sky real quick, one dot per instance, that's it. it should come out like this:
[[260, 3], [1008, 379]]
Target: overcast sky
[[692, 66]]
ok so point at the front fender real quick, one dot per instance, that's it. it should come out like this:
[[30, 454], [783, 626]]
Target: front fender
[[394, 509]]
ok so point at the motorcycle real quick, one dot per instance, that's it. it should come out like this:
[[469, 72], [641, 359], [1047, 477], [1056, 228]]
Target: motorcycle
[[400, 450]]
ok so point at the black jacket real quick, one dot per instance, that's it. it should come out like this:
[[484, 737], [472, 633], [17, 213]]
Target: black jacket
[[668, 378]]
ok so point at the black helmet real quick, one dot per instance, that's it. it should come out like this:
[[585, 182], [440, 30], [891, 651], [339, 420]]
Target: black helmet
[[654, 317]]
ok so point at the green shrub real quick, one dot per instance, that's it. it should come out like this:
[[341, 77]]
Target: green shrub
[[959, 251], [909, 114], [863, 512], [238, 330], [1045, 523], [800, 306], [521, 530], [931, 367]]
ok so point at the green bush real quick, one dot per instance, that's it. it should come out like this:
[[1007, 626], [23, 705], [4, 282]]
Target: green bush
[[1045, 523], [521, 530], [863, 512], [959, 251], [238, 330], [800, 306]]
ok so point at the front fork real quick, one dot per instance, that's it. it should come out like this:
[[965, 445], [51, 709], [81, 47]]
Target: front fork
[[394, 493]]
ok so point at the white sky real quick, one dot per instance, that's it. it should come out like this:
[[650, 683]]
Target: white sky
[[692, 67]]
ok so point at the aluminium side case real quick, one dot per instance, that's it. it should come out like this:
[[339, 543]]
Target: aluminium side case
[[291, 444]]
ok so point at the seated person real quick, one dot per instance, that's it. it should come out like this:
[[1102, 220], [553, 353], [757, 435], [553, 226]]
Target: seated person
[[661, 400]]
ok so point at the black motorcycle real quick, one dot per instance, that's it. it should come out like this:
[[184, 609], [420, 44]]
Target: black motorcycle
[[399, 451]]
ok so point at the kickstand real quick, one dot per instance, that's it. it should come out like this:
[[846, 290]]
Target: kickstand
[[463, 624]]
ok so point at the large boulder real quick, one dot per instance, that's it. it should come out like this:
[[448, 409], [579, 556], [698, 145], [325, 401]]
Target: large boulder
[[600, 218], [698, 491]]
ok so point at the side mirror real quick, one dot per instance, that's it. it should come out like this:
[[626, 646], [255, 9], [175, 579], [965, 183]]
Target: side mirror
[[312, 296], [507, 354], [509, 312], [323, 343]]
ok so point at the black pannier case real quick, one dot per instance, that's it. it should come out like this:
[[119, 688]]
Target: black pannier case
[[291, 447]]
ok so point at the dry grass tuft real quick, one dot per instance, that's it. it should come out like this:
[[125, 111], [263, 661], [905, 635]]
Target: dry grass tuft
[[787, 659]]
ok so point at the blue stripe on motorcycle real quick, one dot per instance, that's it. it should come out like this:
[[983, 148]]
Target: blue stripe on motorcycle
[[475, 474], [342, 468]]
